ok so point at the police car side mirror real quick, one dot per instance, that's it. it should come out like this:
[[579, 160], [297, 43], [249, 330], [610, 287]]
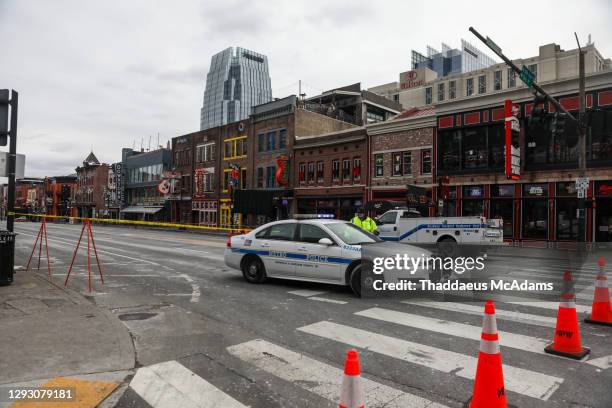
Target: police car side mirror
[[326, 241]]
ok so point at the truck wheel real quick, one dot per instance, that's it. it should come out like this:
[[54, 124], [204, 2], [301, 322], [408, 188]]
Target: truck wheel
[[447, 246], [254, 270]]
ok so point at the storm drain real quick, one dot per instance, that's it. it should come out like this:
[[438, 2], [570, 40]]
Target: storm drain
[[136, 316]]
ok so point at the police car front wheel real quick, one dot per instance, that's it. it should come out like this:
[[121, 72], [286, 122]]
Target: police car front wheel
[[253, 270]]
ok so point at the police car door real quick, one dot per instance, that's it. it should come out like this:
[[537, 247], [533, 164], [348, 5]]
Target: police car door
[[320, 261], [277, 247], [388, 227]]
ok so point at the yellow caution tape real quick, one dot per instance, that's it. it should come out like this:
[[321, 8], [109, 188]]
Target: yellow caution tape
[[130, 222]]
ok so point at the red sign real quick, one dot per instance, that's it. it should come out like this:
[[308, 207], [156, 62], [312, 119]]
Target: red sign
[[512, 147], [282, 176]]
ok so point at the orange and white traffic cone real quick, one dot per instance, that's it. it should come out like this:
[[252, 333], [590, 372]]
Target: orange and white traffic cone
[[567, 334], [351, 395], [489, 391], [601, 311]]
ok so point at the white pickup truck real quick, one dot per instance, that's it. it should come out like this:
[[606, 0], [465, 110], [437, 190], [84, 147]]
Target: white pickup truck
[[408, 226]]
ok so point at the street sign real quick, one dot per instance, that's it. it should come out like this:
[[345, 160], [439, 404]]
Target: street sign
[[527, 76], [493, 46], [19, 165], [582, 186]]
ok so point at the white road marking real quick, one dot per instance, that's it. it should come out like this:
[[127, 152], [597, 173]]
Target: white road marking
[[526, 382], [320, 299], [170, 385], [195, 288], [306, 292], [601, 362], [516, 341], [502, 314], [320, 378], [552, 306]]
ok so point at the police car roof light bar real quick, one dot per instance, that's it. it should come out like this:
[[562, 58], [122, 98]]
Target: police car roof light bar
[[313, 216]]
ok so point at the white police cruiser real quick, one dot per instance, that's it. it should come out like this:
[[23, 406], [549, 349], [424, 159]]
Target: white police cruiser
[[306, 249]]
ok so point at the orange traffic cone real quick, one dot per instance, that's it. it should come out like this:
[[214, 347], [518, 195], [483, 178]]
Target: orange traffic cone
[[567, 335], [601, 311], [489, 391], [351, 395]]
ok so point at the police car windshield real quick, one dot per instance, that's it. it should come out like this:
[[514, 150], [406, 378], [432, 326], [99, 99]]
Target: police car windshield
[[351, 234]]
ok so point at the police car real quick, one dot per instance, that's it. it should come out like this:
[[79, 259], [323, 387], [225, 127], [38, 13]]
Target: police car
[[307, 249]]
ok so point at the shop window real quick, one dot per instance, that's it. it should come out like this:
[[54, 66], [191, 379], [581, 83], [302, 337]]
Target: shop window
[[346, 169], [336, 170], [426, 161], [450, 150], [356, 168], [535, 218], [599, 146], [320, 172], [311, 172], [379, 164], [567, 223], [301, 173], [497, 141], [475, 151], [546, 148], [504, 209]]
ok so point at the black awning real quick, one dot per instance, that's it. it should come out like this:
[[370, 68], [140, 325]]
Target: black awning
[[380, 206], [258, 202]]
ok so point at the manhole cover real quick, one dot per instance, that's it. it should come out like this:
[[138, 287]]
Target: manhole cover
[[136, 316]]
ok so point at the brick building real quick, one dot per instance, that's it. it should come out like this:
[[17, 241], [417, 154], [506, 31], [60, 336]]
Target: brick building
[[92, 179], [234, 168], [180, 176], [401, 155], [206, 185], [60, 193], [330, 172], [30, 196]]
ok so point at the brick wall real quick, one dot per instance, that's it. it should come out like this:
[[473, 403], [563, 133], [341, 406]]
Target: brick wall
[[310, 123]]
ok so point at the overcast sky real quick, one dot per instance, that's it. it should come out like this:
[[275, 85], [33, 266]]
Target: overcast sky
[[105, 75]]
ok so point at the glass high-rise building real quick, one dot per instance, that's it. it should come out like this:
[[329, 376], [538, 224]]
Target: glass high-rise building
[[238, 79], [451, 61]]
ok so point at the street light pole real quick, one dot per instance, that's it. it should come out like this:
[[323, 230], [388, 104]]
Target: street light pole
[[581, 141], [12, 158]]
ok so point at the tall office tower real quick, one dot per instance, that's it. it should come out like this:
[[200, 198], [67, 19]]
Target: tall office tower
[[238, 79], [451, 61]]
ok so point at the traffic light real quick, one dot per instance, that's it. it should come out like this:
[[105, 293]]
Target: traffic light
[[558, 123], [539, 110], [4, 115]]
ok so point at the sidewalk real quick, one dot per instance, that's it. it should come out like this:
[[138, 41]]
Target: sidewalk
[[48, 331]]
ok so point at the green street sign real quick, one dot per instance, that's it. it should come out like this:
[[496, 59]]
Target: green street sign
[[527, 76]]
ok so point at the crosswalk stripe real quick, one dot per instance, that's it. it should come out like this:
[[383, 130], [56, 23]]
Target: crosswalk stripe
[[170, 385], [601, 362], [519, 317], [550, 305], [517, 341], [320, 378], [519, 380]]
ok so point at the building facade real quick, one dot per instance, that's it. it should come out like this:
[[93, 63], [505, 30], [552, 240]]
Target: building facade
[[402, 155], [206, 159], [330, 173], [144, 171], [238, 79], [92, 179], [449, 61], [60, 195], [30, 196], [181, 182]]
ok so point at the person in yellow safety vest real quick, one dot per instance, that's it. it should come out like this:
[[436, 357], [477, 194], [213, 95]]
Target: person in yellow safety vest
[[364, 222]]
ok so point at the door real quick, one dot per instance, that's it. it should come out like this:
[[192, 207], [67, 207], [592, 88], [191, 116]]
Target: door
[[317, 261], [277, 247], [388, 226]]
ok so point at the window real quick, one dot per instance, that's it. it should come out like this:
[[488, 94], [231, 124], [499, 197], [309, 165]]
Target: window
[[346, 169], [379, 162], [441, 91], [452, 89], [226, 180], [243, 179], [260, 177], [407, 165], [320, 172], [209, 179], [599, 142], [356, 168], [469, 87], [271, 140], [428, 97], [397, 164], [511, 78], [235, 148], [426, 161], [311, 172], [270, 176], [261, 142], [388, 218], [534, 69], [497, 80], [482, 84], [336, 170], [312, 234], [351, 234], [302, 173], [475, 152], [282, 232], [205, 152], [282, 138]]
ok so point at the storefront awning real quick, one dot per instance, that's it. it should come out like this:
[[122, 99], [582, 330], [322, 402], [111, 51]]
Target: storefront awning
[[141, 210]]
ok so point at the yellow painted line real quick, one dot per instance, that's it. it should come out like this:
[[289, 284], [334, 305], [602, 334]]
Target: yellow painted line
[[86, 394], [147, 223]]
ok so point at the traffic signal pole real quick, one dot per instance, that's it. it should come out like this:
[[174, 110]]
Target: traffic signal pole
[[12, 158], [581, 140]]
